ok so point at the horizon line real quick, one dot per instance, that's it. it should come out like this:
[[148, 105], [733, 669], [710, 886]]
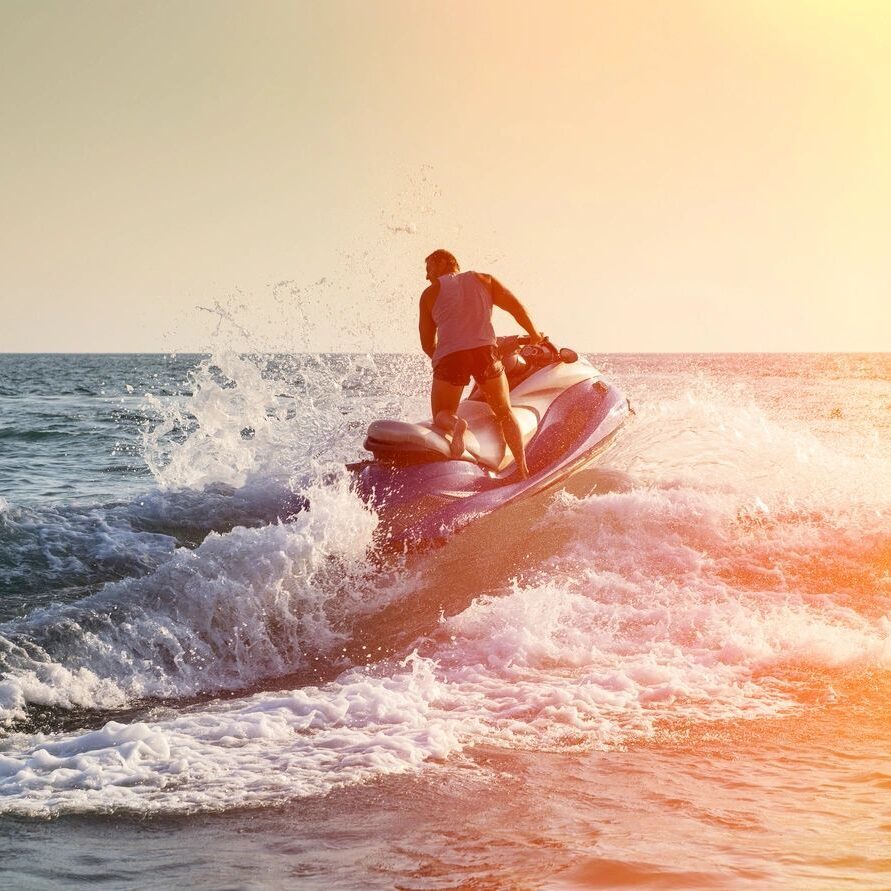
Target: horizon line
[[171, 353]]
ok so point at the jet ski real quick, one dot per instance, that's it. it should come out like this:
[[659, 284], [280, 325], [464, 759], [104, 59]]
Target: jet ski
[[567, 411]]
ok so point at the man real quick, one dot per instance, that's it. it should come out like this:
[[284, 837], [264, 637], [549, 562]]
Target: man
[[457, 334]]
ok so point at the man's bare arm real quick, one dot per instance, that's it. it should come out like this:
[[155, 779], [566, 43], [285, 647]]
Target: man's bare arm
[[503, 299], [426, 325]]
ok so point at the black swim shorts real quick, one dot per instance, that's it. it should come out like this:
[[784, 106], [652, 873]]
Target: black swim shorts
[[482, 363]]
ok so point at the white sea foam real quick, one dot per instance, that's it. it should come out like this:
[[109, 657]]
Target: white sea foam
[[245, 605], [259, 751], [712, 435], [696, 596]]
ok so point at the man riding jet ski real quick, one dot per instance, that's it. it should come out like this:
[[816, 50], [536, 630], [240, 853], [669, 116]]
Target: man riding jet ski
[[456, 333], [536, 415]]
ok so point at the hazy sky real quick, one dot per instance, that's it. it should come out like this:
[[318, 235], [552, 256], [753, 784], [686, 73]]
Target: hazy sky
[[652, 176]]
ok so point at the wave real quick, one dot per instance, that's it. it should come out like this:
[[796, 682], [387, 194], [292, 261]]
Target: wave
[[263, 750], [632, 624], [249, 604], [741, 570], [62, 551]]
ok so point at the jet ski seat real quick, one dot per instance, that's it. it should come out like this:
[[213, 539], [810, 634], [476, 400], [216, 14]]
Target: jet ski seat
[[402, 441], [482, 441]]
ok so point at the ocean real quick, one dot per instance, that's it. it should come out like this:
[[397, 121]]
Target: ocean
[[672, 674]]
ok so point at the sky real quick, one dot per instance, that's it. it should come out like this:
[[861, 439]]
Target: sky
[[667, 175]]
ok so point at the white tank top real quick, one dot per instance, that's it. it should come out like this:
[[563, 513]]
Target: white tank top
[[462, 312]]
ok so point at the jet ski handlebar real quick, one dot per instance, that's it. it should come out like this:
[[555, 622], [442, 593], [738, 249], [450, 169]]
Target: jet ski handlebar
[[513, 343], [542, 352]]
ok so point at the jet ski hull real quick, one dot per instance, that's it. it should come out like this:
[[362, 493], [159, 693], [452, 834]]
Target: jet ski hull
[[424, 503]]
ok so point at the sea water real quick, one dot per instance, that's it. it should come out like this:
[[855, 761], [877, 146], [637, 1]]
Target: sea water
[[674, 673]]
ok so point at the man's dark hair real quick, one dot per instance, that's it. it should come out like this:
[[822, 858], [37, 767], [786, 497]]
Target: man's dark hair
[[443, 256]]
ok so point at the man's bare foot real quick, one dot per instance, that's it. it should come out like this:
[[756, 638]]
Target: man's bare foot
[[458, 438]]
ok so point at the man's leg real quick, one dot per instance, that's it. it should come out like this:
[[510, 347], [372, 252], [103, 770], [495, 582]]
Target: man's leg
[[497, 395], [444, 400]]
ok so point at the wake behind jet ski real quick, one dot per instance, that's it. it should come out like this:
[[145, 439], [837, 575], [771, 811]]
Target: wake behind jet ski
[[566, 410]]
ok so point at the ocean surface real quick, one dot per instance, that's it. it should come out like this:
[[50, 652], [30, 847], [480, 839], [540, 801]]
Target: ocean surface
[[675, 674]]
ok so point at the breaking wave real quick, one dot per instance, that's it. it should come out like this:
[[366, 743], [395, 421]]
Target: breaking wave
[[743, 572]]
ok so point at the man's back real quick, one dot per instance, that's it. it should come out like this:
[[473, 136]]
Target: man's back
[[462, 312]]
